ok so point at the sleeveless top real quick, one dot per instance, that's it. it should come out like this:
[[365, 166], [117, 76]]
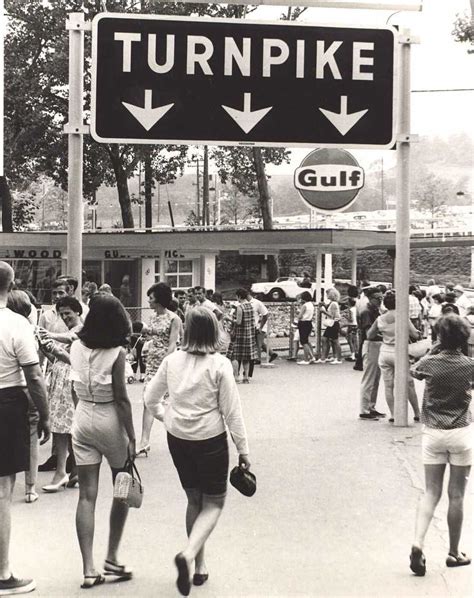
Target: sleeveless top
[[91, 372]]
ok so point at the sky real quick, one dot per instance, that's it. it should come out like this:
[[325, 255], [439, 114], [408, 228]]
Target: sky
[[438, 62]]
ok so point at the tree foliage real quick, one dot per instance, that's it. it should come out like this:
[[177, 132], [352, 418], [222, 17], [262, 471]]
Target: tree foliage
[[463, 31]]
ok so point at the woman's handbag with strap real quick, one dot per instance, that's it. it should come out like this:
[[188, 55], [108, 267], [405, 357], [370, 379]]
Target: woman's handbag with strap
[[243, 480], [128, 486]]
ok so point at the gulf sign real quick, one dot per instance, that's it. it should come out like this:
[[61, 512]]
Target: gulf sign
[[329, 180]]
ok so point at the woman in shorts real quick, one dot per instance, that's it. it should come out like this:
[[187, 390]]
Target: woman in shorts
[[102, 425], [331, 313], [305, 327], [203, 398], [447, 436]]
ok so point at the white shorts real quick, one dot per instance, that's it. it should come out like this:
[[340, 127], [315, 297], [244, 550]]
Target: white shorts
[[447, 446]]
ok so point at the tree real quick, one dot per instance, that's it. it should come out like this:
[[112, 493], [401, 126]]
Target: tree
[[430, 194], [463, 31], [237, 208]]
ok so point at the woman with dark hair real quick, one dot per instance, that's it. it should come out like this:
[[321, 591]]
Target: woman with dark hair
[[203, 399], [384, 325], [61, 403], [162, 332], [103, 425], [305, 326], [447, 436]]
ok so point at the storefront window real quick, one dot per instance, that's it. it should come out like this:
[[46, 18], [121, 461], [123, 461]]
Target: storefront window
[[157, 270], [37, 276], [179, 273]]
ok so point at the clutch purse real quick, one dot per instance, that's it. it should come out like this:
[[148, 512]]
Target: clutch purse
[[128, 486], [243, 480]]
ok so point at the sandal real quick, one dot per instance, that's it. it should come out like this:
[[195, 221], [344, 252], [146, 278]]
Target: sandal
[[417, 561], [120, 571], [31, 497], [92, 580], [457, 561]]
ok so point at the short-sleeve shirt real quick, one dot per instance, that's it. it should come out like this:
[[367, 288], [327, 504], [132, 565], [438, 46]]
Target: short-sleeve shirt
[[259, 311], [17, 348], [447, 396]]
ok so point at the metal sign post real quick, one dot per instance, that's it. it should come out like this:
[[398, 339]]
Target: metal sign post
[[75, 129], [402, 243]]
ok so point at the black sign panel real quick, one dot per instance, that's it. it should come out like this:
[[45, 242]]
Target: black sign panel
[[163, 79]]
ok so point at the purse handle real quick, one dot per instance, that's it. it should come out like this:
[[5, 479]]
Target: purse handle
[[131, 468]]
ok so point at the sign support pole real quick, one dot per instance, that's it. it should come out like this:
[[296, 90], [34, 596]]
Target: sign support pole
[[402, 243], [75, 130]]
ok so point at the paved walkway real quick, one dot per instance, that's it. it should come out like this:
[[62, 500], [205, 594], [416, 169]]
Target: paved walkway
[[333, 514]]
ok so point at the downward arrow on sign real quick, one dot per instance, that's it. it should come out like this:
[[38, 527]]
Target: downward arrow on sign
[[246, 119], [341, 120], [147, 116]]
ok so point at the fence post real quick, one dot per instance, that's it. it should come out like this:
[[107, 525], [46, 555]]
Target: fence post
[[291, 336]]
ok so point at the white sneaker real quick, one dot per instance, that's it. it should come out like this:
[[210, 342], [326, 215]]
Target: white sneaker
[[335, 362], [303, 362], [320, 360]]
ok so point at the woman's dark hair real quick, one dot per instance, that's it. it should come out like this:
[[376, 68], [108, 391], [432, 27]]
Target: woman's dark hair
[[306, 296], [162, 293], [352, 291], [389, 300], [107, 324], [19, 302], [450, 297], [242, 293], [173, 306], [437, 297], [217, 298], [453, 331], [201, 331], [71, 302]]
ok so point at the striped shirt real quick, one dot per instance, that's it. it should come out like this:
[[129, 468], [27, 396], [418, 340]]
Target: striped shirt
[[447, 396]]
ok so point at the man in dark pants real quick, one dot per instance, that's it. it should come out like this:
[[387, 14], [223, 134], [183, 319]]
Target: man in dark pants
[[19, 370], [370, 356]]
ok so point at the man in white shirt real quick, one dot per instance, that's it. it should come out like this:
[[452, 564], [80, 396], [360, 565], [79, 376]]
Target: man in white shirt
[[19, 370], [260, 313], [462, 302], [204, 302]]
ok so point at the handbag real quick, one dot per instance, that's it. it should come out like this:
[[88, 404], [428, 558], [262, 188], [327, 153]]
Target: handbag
[[327, 322], [243, 480], [128, 487], [419, 348]]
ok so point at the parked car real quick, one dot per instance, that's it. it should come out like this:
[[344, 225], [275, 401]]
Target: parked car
[[284, 287]]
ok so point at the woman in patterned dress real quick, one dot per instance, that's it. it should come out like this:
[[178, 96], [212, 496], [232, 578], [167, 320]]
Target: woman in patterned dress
[[61, 404], [162, 332], [244, 348]]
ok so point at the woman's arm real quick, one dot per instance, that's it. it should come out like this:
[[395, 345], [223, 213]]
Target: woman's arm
[[124, 409], [334, 311], [239, 314], [413, 333], [302, 311], [174, 333], [373, 331], [231, 409], [155, 391]]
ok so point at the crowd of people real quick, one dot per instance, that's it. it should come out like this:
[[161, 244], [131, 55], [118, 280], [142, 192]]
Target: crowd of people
[[64, 374]]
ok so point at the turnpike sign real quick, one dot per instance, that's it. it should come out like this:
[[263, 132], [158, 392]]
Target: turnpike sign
[[159, 79]]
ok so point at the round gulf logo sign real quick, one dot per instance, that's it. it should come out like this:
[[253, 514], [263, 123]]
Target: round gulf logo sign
[[329, 180]]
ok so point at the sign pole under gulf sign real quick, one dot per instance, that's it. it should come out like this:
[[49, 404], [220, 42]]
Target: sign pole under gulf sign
[[167, 79], [329, 180]]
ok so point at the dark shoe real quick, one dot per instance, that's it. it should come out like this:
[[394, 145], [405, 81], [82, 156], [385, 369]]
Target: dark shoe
[[273, 356], [416, 419], [49, 464], [457, 561], [13, 585], [359, 368], [200, 578], [183, 582], [91, 581], [73, 481], [417, 561], [391, 420], [368, 416], [257, 362], [376, 413]]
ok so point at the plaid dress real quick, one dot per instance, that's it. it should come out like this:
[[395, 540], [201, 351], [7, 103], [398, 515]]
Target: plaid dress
[[244, 348]]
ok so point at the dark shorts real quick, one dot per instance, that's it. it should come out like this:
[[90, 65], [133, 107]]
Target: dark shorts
[[201, 464], [332, 333], [14, 431], [304, 328]]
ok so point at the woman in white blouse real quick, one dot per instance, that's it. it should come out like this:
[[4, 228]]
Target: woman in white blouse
[[203, 399]]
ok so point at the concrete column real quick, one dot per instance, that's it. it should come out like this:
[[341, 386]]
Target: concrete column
[[148, 278], [208, 271], [472, 267], [354, 267], [319, 276], [328, 283]]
